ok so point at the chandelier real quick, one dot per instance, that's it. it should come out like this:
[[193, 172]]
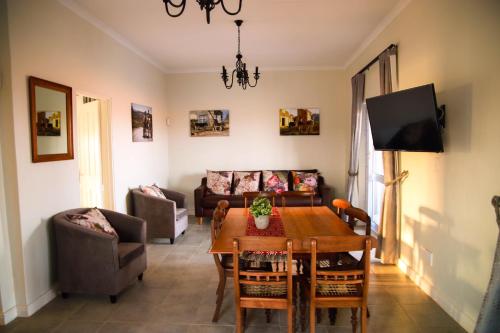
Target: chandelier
[[241, 68], [207, 5]]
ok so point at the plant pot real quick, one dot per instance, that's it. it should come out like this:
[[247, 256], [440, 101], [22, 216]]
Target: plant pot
[[262, 222]]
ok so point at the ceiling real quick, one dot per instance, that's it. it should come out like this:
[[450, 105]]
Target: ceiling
[[276, 34]]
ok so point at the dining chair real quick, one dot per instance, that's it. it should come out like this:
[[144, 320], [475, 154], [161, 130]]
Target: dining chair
[[340, 205], [265, 194], [354, 215], [296, 194], [339, 287], [260, 288], [224, 262]]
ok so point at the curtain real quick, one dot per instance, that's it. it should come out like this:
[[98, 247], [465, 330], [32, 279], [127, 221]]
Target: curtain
[[488, 316], [358, 97], [388, 238]]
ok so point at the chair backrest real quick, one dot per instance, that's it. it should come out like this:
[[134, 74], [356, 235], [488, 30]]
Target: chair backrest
[[296, 194], [346, 283], [356, 214], [253, 195], [267, 283], [217, 218]]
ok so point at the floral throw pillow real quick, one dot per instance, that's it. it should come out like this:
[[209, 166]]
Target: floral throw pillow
[[305, 181], [93, 219], [246, 181], [219, 182], [275, 181], [152, 190]]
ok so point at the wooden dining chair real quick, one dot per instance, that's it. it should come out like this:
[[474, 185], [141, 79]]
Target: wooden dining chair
[[355, 215], [296, 194], [340, 205], [263, 289], [337, 288], [265, 194], [224, 262]]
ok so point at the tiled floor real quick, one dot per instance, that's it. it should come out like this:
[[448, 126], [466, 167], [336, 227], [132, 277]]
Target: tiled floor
[[178, 295]]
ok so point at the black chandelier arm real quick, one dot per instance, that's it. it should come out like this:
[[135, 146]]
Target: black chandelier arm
[[181, 5], [227, 11], [225, 78]]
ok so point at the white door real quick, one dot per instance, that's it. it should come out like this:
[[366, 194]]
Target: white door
[[89, 152]]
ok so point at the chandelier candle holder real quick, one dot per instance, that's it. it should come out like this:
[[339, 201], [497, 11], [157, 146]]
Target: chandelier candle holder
[[175, 8], [240, 70]]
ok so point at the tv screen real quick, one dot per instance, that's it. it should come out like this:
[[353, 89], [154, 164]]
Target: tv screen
[[406, 120]]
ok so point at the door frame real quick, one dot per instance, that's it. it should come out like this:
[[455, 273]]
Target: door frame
[[107, 165]]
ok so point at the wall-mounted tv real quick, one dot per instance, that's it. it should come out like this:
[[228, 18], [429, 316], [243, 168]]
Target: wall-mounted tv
[[406, 120]]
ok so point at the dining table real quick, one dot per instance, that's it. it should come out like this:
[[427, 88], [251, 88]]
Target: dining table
[[300, 223]]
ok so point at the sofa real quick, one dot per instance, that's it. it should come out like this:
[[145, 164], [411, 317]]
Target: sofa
[[166, 218], [93, 262], [206, 202]]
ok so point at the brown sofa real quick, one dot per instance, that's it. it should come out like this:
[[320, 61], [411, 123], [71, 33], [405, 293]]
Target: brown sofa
[[93, 262], [166, 218], [206, 202]]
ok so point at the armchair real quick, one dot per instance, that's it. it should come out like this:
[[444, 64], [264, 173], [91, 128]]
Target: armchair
[[92, 262], [166, 218]]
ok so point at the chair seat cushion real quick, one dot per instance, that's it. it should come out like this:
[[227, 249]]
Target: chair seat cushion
[[180, 213], [128, 252]]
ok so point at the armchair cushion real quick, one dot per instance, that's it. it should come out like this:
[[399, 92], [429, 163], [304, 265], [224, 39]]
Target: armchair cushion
[[128, 252], [93, 219], [152, 190]]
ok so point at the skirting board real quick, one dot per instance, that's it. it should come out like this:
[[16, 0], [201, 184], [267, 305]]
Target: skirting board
[[464, 319], [40, 302], [8, 316]]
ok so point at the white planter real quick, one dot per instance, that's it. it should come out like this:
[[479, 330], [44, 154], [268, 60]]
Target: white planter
[[262, 222]]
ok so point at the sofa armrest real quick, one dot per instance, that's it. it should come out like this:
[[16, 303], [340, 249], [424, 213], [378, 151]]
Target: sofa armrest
[[129, 228], [199, 193], [159, 213], [179, 198], [326, 193], [82, 251]]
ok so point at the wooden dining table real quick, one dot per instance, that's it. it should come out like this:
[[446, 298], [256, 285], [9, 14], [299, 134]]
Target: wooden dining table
[[300, 223]]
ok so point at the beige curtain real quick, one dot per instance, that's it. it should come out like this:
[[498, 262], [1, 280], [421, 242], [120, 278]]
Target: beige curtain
[[388, 247], [358, 96]]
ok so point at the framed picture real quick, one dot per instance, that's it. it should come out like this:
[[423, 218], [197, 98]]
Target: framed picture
[[299, 121], [51, 113], [142, 123], [209, 123]]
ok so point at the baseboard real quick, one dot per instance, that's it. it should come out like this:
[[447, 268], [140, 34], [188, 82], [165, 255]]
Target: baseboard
[[8, 316], [40, 302], [466, 320]]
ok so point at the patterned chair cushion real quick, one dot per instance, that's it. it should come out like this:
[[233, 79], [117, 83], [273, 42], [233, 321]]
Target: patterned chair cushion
[[93, 219], [219, 182], [275, 181], [152, 190], [246, 181], [305, 181]]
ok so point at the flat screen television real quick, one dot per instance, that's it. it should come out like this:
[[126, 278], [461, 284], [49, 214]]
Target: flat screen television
[[406, 120]]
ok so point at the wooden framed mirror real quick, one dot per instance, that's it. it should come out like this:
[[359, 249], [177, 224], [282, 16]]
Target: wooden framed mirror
[[51, 113]]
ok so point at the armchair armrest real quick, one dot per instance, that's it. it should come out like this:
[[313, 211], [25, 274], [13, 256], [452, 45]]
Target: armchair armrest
[[129, 228], [179, 198], [199, 193]]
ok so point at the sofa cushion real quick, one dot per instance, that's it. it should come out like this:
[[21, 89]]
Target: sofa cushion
[[246, 181], [93, 219], [128, 252], [180, 213], [275, 181], [305, 181], [152, 190], [219, 182]]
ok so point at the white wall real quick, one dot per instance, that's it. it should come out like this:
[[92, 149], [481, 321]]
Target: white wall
[[49, 41], [254, 142], [446, 199]]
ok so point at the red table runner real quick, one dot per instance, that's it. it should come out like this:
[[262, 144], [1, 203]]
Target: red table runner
[[275, 228]]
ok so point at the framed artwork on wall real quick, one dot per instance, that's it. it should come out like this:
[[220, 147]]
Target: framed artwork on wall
[[299, 121], [51, 115], [142, 123], [209, 123]]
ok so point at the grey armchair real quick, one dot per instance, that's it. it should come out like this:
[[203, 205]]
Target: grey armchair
[[92, 262], [166, 218]]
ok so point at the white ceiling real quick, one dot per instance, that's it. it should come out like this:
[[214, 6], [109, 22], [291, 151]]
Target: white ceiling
[[276, 34]]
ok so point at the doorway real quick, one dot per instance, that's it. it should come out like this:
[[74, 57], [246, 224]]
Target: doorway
[[94, 152]]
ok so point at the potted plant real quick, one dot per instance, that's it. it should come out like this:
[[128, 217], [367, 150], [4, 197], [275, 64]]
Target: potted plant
[[261, 208]]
